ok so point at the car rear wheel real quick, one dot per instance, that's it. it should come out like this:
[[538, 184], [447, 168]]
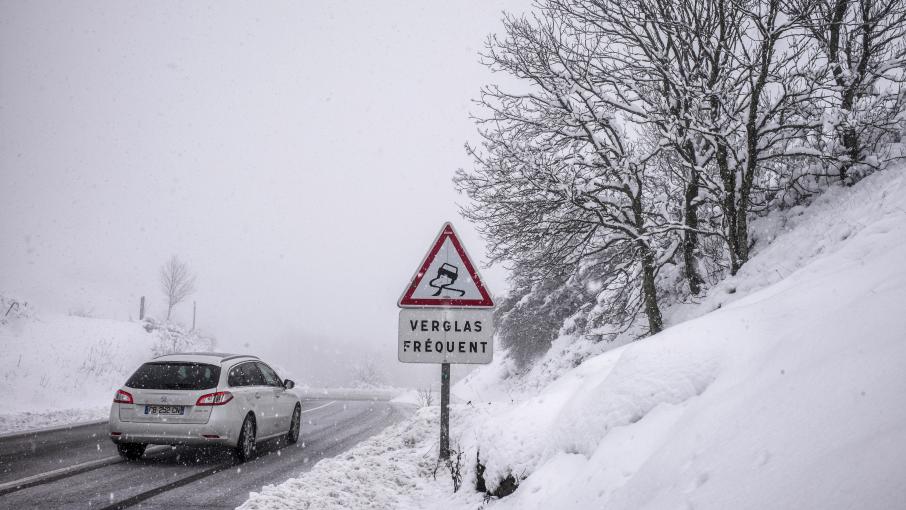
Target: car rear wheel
[[294, 425], [131, 451], [245, 450]]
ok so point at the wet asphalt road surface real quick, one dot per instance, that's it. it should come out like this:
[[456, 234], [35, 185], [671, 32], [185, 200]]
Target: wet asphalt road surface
[[78, 467]]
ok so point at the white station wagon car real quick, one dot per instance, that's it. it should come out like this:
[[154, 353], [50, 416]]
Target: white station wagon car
[[203, 399]]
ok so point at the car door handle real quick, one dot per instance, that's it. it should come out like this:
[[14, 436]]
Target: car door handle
[[257, 395]]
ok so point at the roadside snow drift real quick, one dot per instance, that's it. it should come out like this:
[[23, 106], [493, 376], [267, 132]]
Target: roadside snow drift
[[790, 397], [783, 388], [60, 369], [375, 474]]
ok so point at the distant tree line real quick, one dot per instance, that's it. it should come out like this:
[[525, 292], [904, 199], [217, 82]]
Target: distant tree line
[[625, 165]]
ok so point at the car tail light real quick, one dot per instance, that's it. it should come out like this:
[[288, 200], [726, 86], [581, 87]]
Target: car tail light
[[122, 397], [214, 399]]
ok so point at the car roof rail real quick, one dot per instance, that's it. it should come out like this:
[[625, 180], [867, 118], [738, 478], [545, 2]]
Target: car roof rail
[[235, 356], [222, 355]]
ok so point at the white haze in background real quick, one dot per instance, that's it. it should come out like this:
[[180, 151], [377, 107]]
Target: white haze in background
[[297, 155]]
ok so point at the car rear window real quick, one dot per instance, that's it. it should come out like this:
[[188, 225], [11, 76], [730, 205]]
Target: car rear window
[[174, 375]]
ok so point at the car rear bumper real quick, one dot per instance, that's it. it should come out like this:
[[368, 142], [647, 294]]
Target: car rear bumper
[[215, 432]]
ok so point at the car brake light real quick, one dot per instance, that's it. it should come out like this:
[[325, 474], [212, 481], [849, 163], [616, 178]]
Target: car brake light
[[122, 397], [214, 399]]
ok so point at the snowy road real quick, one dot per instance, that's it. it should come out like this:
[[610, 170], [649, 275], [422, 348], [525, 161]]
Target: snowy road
[[78, 467]]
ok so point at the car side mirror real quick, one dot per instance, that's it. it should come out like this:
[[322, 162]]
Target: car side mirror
[[288, 384]]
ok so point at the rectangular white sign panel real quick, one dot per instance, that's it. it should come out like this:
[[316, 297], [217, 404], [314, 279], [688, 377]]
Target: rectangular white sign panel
[[446, 335]]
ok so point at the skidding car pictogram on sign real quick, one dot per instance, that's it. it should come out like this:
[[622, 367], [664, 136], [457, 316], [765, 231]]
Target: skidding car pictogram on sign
[[446, 278]]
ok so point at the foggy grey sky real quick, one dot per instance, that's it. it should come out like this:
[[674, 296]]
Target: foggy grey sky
[[297, 155]]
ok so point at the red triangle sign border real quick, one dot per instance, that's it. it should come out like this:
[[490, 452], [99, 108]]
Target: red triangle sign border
[[407, 301]]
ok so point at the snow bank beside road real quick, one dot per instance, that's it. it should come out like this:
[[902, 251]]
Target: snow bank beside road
[[61, 369], [801, 371], [378, 473]]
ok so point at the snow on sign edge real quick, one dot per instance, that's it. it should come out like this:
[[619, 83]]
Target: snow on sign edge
[[408, 301]]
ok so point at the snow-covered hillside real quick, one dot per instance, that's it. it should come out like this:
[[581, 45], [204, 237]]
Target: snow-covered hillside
[[783, 388], [59, 369]]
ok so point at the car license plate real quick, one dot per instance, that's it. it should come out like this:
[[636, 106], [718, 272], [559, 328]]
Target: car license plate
[[156, 409]]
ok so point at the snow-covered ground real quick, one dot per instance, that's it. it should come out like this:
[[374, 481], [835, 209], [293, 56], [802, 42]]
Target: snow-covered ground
[[377, 473], [62, 369], [782, 388]]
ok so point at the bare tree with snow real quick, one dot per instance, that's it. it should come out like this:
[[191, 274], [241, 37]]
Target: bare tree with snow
[[644, 135], [861, 45], [655, 80], [177, 282], [560, 182]]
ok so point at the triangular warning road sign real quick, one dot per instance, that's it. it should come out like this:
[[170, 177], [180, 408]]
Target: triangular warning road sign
[[446, 277]]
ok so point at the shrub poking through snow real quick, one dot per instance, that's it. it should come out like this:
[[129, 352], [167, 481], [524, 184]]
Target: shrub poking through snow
[[425, 397], [172, 338], [480, 485], [454, 466], [505, 486]]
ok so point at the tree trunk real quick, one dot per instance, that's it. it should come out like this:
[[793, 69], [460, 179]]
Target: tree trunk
[[721, 152], [848, 136], [748, 180], [742, 232], [649, 290], [690, 238], [850, 141], [655, 321], [728, 178], [753, 135]]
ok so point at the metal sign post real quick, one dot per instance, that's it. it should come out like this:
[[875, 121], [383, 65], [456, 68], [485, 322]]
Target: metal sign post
[[444, 411], [447, 317]]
